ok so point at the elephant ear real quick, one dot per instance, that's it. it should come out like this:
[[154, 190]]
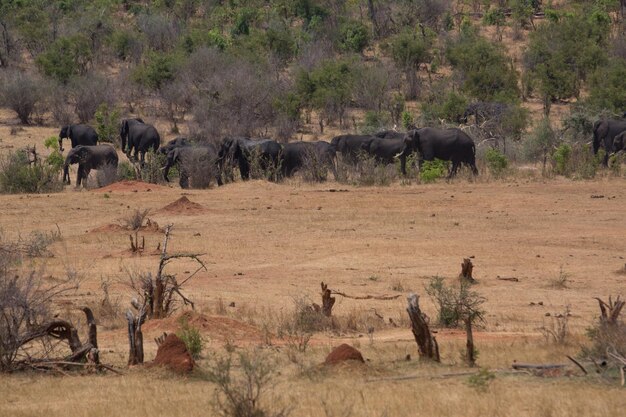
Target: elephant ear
[[82, 153], [69, 131]]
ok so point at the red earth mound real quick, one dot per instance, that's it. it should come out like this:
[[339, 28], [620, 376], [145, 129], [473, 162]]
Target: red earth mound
[[216, 327], [343, 353], [182, 206], [130, 187], [173, 354]]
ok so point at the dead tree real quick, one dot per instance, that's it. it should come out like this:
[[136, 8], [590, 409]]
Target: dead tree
[[327, 301], [610, 311], [426, 342], [161, 293], [466, 271], [81, 353], [135, 336]]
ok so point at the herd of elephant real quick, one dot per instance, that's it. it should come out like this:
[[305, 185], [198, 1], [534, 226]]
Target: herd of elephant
[[138, 137]]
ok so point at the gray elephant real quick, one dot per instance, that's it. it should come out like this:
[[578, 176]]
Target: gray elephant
[[619, 142], [244, 150], [604, 131], [445, 144], [319, 156], [350, 146], [198, 162], [78, 135], [386, 150], [139, 137], [88, 158]]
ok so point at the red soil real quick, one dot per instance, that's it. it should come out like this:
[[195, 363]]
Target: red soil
[[173, 354], [182, 206], [343, 353], [130, 186]]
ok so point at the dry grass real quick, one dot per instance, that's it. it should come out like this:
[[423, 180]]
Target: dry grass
[[268, 244]]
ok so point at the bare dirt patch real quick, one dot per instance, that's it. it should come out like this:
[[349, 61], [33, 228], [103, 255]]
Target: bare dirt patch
[[129, 186], [216, 327], [182, 206]]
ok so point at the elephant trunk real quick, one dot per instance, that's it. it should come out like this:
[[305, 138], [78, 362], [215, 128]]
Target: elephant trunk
[[61, 144]]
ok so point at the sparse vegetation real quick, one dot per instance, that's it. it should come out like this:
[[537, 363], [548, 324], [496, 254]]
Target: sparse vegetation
[[191, 337], [20, 172]]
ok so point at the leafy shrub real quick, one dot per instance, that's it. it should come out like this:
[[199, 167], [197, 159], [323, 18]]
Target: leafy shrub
[[107, 123], [407, 119], [484, 68], [151, 169], [191, 337], [454, 303], [430, 171], [496, 162], [441, 104], [374, 122], [23, 93], [66, 57], [369, 172], [607, 89], [55, 158], [125, 171], [158, 69], [562, 156], [541, 142], [19, 175], [354, 36]]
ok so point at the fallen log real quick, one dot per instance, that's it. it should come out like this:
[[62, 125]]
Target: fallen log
[[513, 279], [367, 297]]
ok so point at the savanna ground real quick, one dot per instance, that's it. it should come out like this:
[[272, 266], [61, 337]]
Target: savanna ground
[[267, 244]]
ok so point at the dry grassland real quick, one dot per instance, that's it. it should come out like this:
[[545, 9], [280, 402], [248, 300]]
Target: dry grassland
[[267, 244]]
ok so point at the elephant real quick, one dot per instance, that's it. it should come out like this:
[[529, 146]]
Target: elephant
[[140, 138], [619, 142], [385, 150], [192, 160], [314, 155], [350, 146], [88, 158], [390, 134], [172, 144], [243, 150], [604, 131], [78, 135], [445, 144]]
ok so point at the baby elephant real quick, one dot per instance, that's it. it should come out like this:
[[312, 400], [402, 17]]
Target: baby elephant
[[88, 158]]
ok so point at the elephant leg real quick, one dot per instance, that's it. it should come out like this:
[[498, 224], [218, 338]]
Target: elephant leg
[[184, 179], [453, 169], [403, 164]]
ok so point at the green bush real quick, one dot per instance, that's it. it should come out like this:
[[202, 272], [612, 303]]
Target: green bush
[[55, 158], [484, 67], [444, 104], [191, 337], [354, 36], [607, 89], [374, 122], [107, 123], [431, 171], [407, 119], [158, 69], [562, 156], [19, 175], [496, 162], [125, 171], [66, 57]]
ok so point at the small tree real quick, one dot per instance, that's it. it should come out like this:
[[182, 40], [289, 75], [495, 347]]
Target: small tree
[[107, 123], [89, 93], [22, 93], [409, 51], [541, 143], [66, 57]]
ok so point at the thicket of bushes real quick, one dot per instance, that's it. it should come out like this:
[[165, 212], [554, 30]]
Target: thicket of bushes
[[262, 68]]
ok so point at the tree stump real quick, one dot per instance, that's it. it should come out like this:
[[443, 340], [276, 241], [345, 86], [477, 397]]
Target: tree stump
[[135, 336], [610, 311], [466, 271], [327, 301], [426, 342]]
